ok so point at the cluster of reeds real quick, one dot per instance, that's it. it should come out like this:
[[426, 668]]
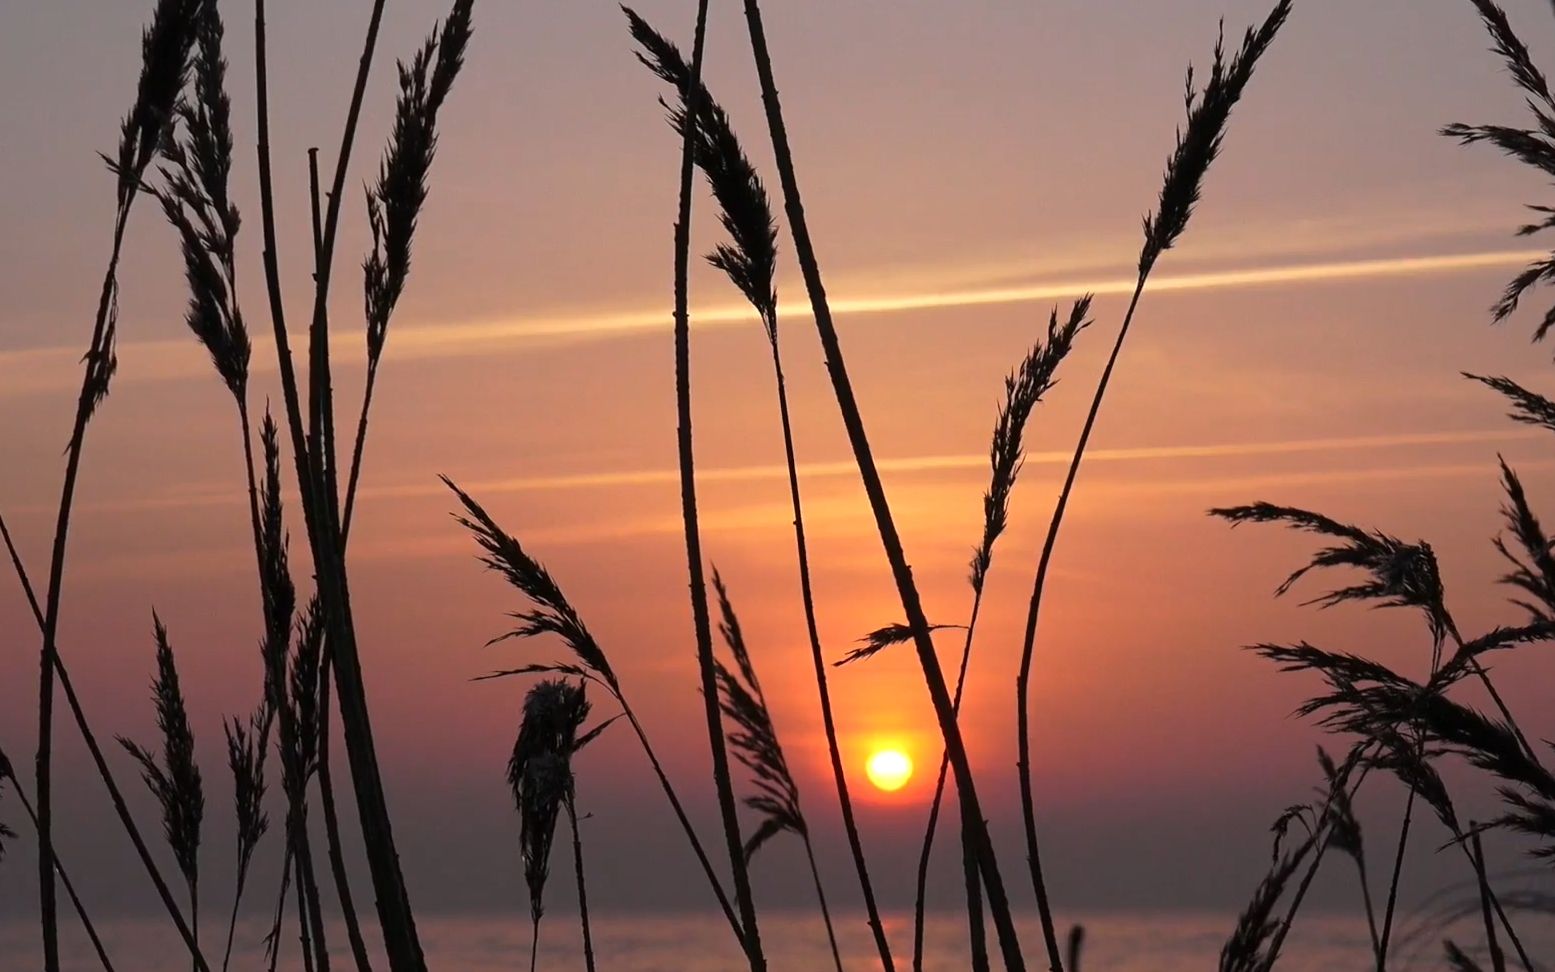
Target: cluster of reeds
[[182, 116], [1406, 726], [749, 259]]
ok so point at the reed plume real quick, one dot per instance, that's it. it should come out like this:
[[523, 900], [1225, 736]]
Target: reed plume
[[394, 202], [756, 745], [691, 95], [550, 613], [175, 781], [1533, 147], [540, 776], [246, 749]]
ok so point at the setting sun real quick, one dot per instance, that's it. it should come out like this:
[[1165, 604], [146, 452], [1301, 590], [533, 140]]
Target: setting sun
[[889, 769]]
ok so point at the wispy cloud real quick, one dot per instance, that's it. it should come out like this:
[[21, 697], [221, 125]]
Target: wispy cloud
[[41, 370]]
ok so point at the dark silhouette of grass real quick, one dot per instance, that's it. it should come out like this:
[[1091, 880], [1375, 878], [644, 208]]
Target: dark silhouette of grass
[[175, 781], [540, 776], [551, 613], [166, 46]]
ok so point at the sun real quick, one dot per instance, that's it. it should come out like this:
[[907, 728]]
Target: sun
[[889, 769]]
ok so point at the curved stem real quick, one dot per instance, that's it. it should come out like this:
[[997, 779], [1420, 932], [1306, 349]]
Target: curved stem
[[337, 862], [1023, 680], [870, 476]]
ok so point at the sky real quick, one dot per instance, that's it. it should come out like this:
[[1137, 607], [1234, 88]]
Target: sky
[[966, 167]]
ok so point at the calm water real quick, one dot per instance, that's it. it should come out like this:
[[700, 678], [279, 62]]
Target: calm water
[[1114, 943]]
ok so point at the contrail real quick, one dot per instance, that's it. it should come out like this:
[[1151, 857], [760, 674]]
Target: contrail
[[48, 369]]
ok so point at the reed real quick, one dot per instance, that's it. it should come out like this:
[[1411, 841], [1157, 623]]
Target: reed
[[691, 90], [175, 781], [756, 745], [551, 613], [165, 52], [246, 751], [540, 777]]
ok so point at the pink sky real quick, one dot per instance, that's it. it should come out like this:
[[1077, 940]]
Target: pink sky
[[966, 166]]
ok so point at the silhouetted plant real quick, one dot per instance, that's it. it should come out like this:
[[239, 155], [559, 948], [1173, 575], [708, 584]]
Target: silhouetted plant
[[175, 781], [551, 613], [246, 751], [540, 776]]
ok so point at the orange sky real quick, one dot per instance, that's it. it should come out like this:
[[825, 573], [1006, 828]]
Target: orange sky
[[965, 169]]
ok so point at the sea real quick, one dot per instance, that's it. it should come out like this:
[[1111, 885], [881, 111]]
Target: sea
[[1112, 942]]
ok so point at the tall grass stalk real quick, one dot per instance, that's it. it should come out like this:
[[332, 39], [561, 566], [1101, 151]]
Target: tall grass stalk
[[577, 868], [8, 772], [104, 772], [749, 260], [1198, 144], [551, 613], [859, 441], [702, 626], [165, 46]]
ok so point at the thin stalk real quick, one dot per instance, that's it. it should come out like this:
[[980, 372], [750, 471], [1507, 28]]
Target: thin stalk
[[332, 840], [337, 862], [1497, 958], [680, 815], [920, 901], [583, 897], [1371, 914], [1398, 868], [70, 890], [828, 721], [820, 895], [902, 573], [534, 946], [304, 938], [751, 934], [280, 911], [1023, 680], [116, 796], [50, 652]]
